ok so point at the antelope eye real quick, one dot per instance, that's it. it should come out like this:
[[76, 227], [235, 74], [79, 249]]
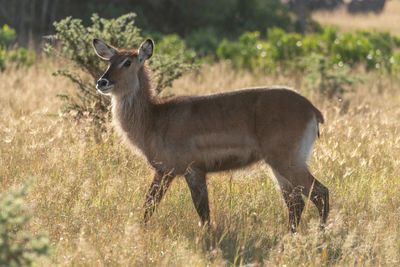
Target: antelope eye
[[127, 63]]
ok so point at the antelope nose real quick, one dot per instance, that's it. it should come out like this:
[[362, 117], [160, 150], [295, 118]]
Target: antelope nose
[[101, 83]]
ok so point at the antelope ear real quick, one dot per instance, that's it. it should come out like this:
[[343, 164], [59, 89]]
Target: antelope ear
[[146, 50], [103, 50]]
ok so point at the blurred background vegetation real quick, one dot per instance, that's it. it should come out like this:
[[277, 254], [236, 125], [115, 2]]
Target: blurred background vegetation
[[203, 24], [255, 34]]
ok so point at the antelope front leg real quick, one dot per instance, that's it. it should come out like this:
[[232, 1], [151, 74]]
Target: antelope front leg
[[157, 189], [196, 180]]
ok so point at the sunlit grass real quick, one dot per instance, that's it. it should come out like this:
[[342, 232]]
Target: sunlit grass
[[88, 195], [388, 19]]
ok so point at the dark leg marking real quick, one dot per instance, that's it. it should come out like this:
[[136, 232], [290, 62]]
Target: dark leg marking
[[157, 189], [196, 180], [320, 197], [295, 204]]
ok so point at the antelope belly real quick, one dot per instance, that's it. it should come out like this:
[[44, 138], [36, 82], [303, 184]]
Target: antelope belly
[[223, 152]]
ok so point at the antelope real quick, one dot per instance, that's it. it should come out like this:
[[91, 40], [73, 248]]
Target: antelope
[[192, 136]]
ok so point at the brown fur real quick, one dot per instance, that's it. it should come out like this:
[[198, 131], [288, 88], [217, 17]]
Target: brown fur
[[192, 136]]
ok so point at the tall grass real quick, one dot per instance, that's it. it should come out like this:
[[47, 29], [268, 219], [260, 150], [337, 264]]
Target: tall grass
[[88, 195], [388, 19]]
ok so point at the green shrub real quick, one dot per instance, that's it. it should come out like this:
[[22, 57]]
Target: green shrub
[[327, 79], [204, 24], [203, 40], [20, 57], [7, 36], [325, 58], [17, 246], [373, 50], [250, 52], [11, 56], [170, 61]]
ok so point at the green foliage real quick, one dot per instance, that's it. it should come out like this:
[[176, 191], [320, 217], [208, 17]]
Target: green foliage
[[204, 40], [170, 61], [373, 50], [203, 27], [7, 36], [330, 80], [11, 56], [77, 39], [18, 247], [202, 24], [20, 57], [325, 57], [249, 52]]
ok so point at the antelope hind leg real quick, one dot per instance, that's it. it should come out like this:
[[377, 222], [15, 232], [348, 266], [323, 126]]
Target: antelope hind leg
[[293, 200], [196, 180]]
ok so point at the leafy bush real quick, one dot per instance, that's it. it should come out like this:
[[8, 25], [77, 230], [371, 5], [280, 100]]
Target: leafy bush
[[170, 61], [324, 58], [11, 56], [20, 57], [329, 80], [7, 36], [204, 40], [373, 50], [17, 246], [247, 53]]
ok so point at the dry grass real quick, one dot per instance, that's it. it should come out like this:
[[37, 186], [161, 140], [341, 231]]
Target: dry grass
[[388, 20], [88, 196]]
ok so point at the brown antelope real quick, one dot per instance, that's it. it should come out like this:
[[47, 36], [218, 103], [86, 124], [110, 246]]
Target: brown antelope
[[192, 136]]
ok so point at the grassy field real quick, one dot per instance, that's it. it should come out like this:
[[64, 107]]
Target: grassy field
[[388, 19], [88, 195]]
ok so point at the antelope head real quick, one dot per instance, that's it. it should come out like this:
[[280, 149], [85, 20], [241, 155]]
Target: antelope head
[[121, 76]]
